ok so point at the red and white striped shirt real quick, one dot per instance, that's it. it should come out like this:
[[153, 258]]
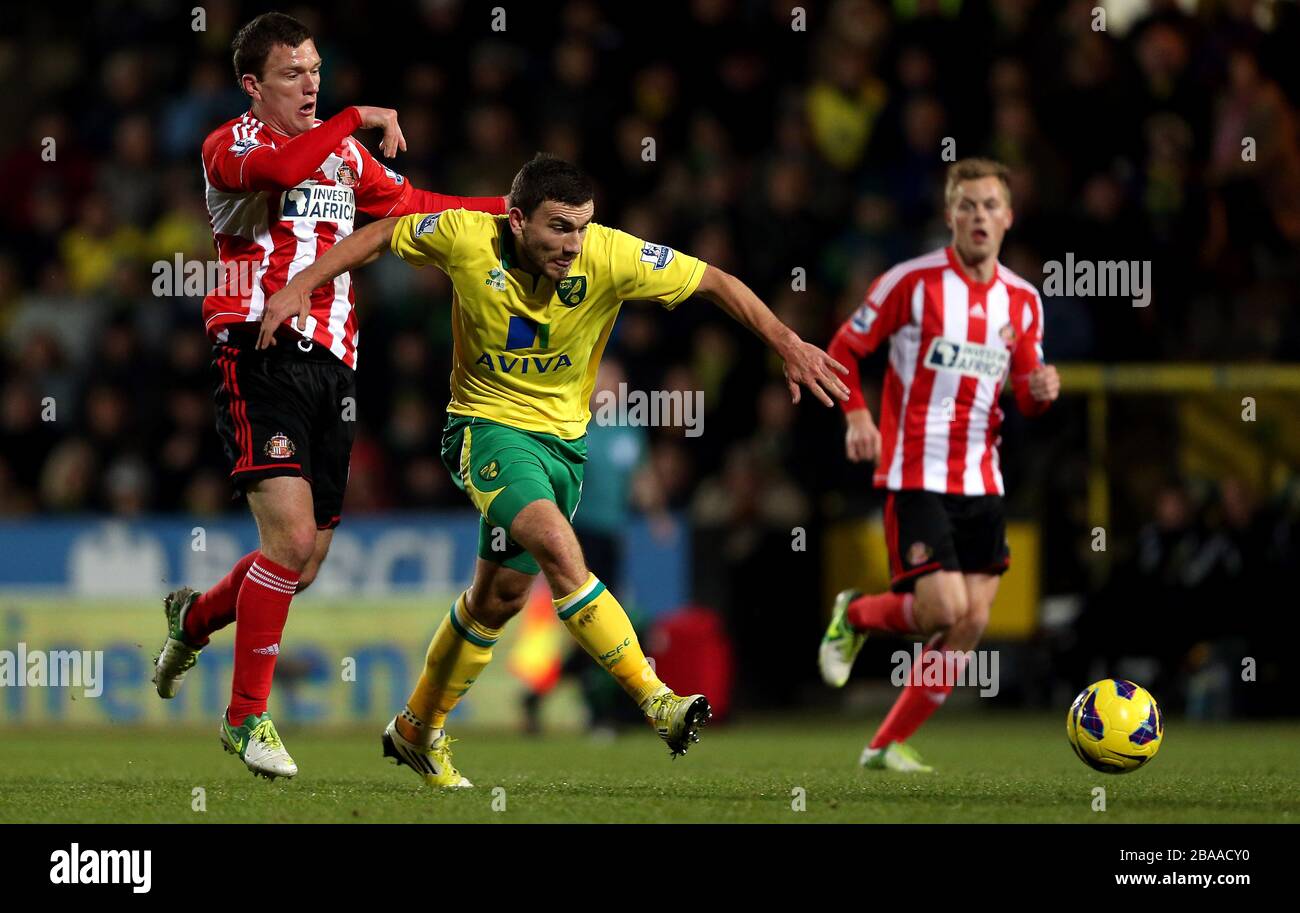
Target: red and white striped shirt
[[953, 343], [276, 203]]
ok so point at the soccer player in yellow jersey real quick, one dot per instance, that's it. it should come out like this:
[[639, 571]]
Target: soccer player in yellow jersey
[[536, 295]]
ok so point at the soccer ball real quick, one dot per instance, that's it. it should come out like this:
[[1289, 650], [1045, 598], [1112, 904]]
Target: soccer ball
[[1114, 726]]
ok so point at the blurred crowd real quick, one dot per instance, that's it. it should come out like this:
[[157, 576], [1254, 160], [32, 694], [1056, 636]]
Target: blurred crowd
[[805, 161], [1197, 610]]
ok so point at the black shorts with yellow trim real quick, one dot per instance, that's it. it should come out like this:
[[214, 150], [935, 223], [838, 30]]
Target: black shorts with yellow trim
[[926, 531], [289, 410]]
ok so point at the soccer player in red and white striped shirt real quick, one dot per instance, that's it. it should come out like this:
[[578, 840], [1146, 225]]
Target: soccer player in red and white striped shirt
[[959, 325], [282, 189]]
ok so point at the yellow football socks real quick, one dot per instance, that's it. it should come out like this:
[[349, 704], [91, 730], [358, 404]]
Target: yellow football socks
[[596, 620], [459, 651]]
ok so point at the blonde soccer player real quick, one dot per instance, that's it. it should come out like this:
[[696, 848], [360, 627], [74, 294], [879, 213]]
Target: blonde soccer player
[[960, 326]]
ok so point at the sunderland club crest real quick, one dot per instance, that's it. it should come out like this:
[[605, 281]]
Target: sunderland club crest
[[279, 447]]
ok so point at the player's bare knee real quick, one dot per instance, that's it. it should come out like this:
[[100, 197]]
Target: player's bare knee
[[498, 604], [292, 545], [511, 591], [313, 565], [975, 621], [308, 574], [560, 559], [948, 615], [945, 610], [549, 546], [966, 633]]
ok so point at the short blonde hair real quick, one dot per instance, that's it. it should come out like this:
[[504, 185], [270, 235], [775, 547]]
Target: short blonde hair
[[973, 169]]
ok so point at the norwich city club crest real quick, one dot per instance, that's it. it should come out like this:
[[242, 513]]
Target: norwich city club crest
[[572, 290], [489, 471]]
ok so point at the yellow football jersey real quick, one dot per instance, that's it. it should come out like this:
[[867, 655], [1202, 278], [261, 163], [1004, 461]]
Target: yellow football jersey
[[526, 348]]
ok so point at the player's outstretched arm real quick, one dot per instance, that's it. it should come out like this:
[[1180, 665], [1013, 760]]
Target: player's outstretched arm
[[261, 166], [804, 363], [356, 250]]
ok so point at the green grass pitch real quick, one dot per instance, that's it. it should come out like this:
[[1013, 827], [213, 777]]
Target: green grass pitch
[[991, 768]]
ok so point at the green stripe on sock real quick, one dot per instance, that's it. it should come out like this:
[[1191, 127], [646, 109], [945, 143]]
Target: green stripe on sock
[[466, 632], [595, 591]]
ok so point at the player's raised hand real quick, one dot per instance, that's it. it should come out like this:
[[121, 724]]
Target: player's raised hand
[[292, 300], [808, 365], [393, 140], [1044, 383], [862, 439]]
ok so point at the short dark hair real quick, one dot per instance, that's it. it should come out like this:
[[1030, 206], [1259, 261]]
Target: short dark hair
[[254, 42], [549, 178]]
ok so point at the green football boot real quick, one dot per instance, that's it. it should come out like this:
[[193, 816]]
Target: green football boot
[[258, 746], [894, 756], [840, 644], [177, 655]]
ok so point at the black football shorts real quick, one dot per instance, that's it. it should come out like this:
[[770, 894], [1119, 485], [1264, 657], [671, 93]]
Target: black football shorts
[[927, 531], [289, 410]]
